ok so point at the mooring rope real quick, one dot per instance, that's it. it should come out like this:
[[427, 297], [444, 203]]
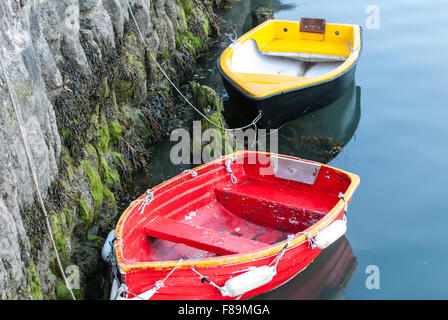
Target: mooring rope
[[274, 262], [157, 285], [253, 123], [34, 178]]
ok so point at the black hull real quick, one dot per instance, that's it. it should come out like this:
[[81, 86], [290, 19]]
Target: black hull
[[281, 108]]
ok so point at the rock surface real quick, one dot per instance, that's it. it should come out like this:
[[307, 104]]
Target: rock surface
[[260, 15], [90, 100]]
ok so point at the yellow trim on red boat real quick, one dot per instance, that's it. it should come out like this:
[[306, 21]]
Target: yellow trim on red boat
[[339, 40], [230, 259]]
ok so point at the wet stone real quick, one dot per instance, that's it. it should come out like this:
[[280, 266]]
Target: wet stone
[[261, 14]]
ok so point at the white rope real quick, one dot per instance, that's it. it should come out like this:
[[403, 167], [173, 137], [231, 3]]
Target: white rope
[[34, 178], [280, 256], [253, 123], [341, 196], [149, 197], [204, 278], [227, 164], [309, 238], [276, 261], [157, 285]]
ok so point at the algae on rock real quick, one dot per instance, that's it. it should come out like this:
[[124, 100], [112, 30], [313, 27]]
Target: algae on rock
[[92, 101]]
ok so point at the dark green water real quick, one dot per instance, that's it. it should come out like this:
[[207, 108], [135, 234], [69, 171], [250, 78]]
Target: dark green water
[[392, 127]]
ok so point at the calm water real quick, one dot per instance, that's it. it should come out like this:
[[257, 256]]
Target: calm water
[[392, 126]]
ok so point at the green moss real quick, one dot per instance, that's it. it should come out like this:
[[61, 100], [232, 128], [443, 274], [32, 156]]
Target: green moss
[[35, 284], [115, 132], [187, 6], [110, 204], [62, 292], [95, 183], [85, 212], [109, 175], [91, 153], [205, 22], [125, 90], [135, 61], [183, 19], [60, 233], [104, 139], [192, 42], [106, 89]]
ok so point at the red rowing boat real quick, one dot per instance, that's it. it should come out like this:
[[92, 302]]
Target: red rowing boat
[[233, 228]]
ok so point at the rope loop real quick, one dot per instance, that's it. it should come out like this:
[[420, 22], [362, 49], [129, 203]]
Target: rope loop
[[149, 197], [341, 196], [309, 238], [191, 171], [227, 164]]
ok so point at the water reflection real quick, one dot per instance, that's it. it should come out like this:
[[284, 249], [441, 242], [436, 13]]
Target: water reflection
[[324, 279], [321, 135]]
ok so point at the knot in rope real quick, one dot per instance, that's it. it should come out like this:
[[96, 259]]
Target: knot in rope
[[341, 196], [149, 197], [227, 164], [192, 172]]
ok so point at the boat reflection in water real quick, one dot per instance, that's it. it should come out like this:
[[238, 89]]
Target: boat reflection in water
[[326, 278], [322, 134]]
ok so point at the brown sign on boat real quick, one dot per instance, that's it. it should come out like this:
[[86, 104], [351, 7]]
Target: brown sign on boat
[[313, 25]]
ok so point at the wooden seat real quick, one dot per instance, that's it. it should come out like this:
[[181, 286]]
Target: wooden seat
[[200, 237], [267, 78]]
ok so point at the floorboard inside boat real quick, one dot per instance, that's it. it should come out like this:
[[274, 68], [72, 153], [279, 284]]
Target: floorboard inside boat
[[213, 216]]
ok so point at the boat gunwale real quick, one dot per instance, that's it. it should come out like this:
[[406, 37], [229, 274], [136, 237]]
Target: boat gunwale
[[339, 71], [298, 239]]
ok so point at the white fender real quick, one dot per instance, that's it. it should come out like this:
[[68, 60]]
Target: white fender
[[249, 280], [330, 234], [106, 252]]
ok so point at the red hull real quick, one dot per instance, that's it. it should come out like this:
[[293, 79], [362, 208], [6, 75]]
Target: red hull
[[260, 210]]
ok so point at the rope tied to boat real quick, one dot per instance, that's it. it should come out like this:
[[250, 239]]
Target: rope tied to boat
[[280, 256], [309, 238], [253, 123], [191, 171], [149, 197], [233, 37], [271, 268], [341, 196], [205, 279], [227, 164], [351, 48], [147, 294]]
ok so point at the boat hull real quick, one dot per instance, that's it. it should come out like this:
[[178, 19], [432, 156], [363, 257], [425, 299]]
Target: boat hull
[[278, 109], [184, 284], [144, 258]]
